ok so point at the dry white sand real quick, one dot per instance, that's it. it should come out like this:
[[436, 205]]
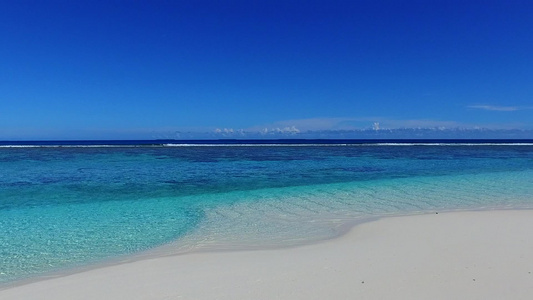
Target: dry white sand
[[458, 255]]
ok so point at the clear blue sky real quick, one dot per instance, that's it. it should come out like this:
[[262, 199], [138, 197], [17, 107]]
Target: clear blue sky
[[143, 69]]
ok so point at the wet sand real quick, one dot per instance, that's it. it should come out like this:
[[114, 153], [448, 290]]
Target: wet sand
[[454, 255]]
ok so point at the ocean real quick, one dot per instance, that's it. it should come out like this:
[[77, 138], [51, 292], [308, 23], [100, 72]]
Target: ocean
[[69, 204]]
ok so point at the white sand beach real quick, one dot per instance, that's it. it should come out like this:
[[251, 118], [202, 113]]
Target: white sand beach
[[455, 255]]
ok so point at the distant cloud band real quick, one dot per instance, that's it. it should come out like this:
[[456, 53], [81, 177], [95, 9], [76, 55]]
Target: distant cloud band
[[499, 108]]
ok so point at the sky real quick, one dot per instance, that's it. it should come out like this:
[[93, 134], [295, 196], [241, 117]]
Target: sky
[[169, 69]]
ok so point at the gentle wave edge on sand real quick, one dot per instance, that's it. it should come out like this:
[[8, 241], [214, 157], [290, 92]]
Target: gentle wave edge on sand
[[454, 255]]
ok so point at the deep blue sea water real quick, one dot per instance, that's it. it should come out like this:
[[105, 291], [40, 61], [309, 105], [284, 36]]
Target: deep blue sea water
[[68, 204]]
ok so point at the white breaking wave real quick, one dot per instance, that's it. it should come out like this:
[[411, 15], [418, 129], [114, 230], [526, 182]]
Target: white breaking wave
[[348, 144], [266, 145]]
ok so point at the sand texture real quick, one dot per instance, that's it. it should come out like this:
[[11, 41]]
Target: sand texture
[[457, 255]]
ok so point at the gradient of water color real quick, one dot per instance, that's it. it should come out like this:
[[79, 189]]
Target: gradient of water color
[[62, 207]]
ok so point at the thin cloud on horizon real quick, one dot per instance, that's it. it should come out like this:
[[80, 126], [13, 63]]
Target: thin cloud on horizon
[[499, 108]]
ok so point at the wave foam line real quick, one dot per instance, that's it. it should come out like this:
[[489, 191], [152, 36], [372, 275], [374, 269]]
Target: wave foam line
[[269, 145]]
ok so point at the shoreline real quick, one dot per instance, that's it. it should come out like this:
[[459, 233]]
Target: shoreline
[[158, 276], [174, 248]]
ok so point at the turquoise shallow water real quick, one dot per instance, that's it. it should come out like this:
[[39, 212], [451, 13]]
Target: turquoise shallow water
[[62, 207]]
